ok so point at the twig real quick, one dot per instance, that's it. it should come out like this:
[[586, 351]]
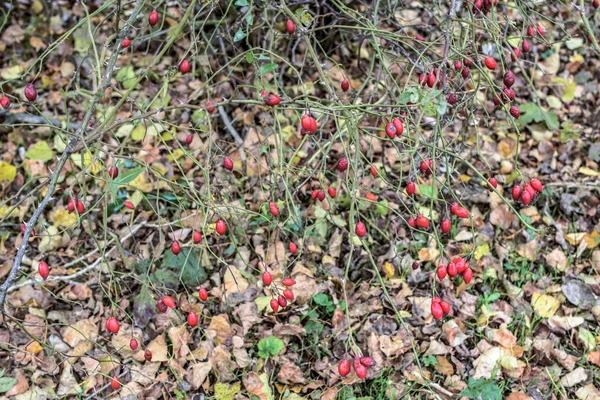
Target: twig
[[30, 119], [79, 135], [238, 140], [560, 238]]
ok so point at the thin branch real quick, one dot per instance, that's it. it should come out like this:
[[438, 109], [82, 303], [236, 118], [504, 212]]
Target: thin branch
[[238, 140]]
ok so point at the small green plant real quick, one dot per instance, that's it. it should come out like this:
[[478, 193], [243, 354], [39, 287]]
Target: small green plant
[[482, 389], [269, 347]]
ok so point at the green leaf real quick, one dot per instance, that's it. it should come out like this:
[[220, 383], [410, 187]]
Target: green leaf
[[241, 3], [226, 392], [8, 172], [198, 117], [249, 19], [129, 175], [6, 384], [249, 58], [270, 346], [187, 264], [40, 152], [141, 267], [239, 35], [428, 191], [410, 95], [322, 299], [126, 76], [482, 389], [268, 68], [587, 338], [165, 279]]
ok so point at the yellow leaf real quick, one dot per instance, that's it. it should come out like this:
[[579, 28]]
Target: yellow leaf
[[482, 251], [10, 73], [176, 155], [575, 238], [569, 93], [389, 269], [588, 171], [34, 347], [545, 306], [138, 133], [140, 182], [592, 239], [465, 178], [63, 218], [8, 172]]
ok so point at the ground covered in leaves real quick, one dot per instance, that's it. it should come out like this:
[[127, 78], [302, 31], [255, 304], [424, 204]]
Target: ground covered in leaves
[[525, 327]]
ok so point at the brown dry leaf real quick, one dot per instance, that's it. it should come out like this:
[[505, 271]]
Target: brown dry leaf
[[393, 346], [248, 315], [575, 238], [37, 43], [280, 330], [329, 394], [454, 335], [220, 329], [78, 292], [588, 392], [505, 338], [594, 358], [502, 216], [305, 286], [81, 335], [159, 350], [13, 34], [565, 359], [241, 358], [21, 386], [444, 366], [518, 396], [233, 281], [574, 377], [197, 374], [529, 250], [290, 373], [180, 337], [144, 373], [258, 385], [557, 260], [223, 365], [68, 382], [438, 348], [566, 323], [592, 239], [487, 363]]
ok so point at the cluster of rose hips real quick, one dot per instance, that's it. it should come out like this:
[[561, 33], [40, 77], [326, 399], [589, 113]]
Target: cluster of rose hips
[[75, 205], [220, 227], [394, 128], [287, 294], [360, 365], [528, 193], [482, 6], [458, 266], [320, 194], [439, 308], [309, 125]]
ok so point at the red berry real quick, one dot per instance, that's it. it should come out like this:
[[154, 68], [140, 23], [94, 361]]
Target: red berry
[[293, 248], [342, 164], [371, 197], [537, 185], [390, 130], [490, 63], [423, 79], [451, 99], [411, 188], [361, 370], [309, 124], [30, 92], [461, 212], [344, 367], [314, 194], [175, 248], [345, 85], [332, 192], [367, 361], [43, 269], [468, 275], [288, 294], [125, 44], [436, 299], [426, 167], [274, 304], [321, 195], [282, 301], [422, 222], [436, 310], [457, 65], [112, 325], [153, 18], [415, 265], [162, 307], [399, 126], [493, 183], [517, 54], [185, 67], [461, 265], [361, 229], [526, 46], [290, 27], [288, 282], [267, 278], [411, 222], [509, 94], [431, 80], [5, 102], [509, 79], [129, 204], [115, 382], [272, 100], [148, 355], [210, 107], [595, 4], [273, 208], [446, 226], [526, 198], [441, 272], [80, 207], [192, 319], [169, 301], [468, 62], [465, 72], [516, 192], [228, 163], [221, 227], [133, 344], [514, 111], [197, 237], [113, 172], [452, 272], [445, 307], [530, 31], [203, 294], [530, 190]]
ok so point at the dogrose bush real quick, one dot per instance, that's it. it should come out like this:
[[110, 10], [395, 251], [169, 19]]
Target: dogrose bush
[[191, 158]]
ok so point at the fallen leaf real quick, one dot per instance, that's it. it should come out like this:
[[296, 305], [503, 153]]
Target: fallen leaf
[[544, 305], [220, 329], [574, 377], [258, 385], [290, 373], [198, 373], [444, 366], [159, 350], [557, 260], [566, 323]]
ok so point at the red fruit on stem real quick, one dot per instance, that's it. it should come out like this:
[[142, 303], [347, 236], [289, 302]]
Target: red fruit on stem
[[509, 79], [5, 102], [595, 4], [30, 92], [426, 167], [442, 271], [175, 248], [371, 197], [129, 204], [228, 163], [43, 269], [197, 237], [461, 212], [422, 222], [531, 190], [192, 319], [332, 192], [509, 94], [342, 164], [267, 278], [445, 307], [526, 46], [452, 272], [468, 275], [314, 194], [290, 27], [344, 367], [162, 307], [465, 73], [390, 130], [360, 229], [367, 362], [24, 227], [321, 195], [415, 265], [436, 310], [411, 188], [288, 282], [185, 67], [493, 183], [153, 18], [293, 248], [345, 85], [282, 301], [423, 79], [461, 265], [468, 62], [411, 222], [446, 226], [516, 192], [203, 294], [115, 382], [274, 209], [288, 294], [80, 207], [516, 55], [272, 100], [221, 227], [210, 108], [148, 355], [361, 370], [431, 79], [514, 111], [451, 99], [457, 65], [113, 172], [399, 125], [125, 44], [169, 301], [309, 124], [436, 299], [373, 172], [530, 31], [526, 198], [536, 184], [112, 325], [490, 63], [133, 344]]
